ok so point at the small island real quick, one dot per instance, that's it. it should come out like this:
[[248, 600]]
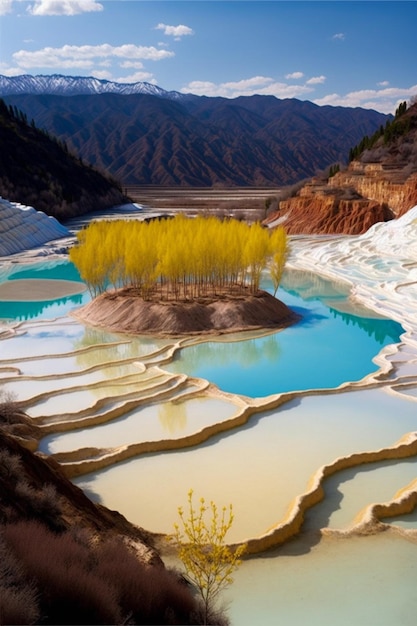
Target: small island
[[181, 276]]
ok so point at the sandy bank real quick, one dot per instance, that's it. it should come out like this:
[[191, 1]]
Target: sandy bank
[[123, 311], [28, 289]]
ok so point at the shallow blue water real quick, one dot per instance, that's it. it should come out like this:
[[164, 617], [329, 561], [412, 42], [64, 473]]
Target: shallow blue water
[[44, 309], [323, 350]]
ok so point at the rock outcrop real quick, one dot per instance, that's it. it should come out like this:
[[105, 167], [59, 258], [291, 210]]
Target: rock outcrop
[[386, 184], [348, 203], [378, 186]]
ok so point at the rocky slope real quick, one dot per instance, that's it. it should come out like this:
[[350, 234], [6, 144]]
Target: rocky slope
[[381, 184], [61, 506]]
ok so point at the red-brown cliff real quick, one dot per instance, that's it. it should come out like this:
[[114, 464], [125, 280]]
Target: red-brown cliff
[[378, 186]]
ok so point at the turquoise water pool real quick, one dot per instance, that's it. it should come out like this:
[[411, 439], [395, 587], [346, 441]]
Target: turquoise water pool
[[324, 349], [261, 467], [42, 309]]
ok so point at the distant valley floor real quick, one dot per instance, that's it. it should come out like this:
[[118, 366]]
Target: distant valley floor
[[198, 199]]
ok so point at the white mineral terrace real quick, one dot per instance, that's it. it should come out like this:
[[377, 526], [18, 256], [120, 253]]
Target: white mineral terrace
[[23, 227], [125, 428]]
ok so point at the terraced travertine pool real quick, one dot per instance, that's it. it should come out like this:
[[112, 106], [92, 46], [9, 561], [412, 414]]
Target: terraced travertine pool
[[251, 419]]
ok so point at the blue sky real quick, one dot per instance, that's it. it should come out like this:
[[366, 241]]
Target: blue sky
[[358, 53]]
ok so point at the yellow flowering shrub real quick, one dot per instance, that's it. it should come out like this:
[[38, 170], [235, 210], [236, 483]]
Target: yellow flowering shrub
[[208, 561]]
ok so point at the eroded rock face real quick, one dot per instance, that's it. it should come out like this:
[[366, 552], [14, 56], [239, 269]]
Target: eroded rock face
[[350, 202], [379, 186], [385, 184]]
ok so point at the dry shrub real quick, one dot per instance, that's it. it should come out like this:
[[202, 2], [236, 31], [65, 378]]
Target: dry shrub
[[81, 581], [43, 504], [64, 573], [151, 595], [77, 596], [18, 596], [18, 606], [11, 467], [8, 407]]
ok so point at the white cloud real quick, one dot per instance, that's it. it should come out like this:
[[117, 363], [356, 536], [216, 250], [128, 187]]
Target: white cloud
[[260, 85], [384, 100], [64, 7], [383, 83], [5, 6], [103, 75], [294, 76], [85, 56], [338, 37], [137, 65], [249, 83], [10, 71], [175, 31], [137, 77], [316, 80]]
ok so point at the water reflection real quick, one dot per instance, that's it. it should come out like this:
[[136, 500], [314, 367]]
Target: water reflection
[[150, 422], [311, 286], [324, 349], [122, 345], [28, 310], [173, 416], [284, 448], [61, 270], [247, 353], [385, 331], [53, 307]]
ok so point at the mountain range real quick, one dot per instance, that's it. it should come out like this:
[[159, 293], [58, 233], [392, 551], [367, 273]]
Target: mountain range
[[142, 134], [57, 84]]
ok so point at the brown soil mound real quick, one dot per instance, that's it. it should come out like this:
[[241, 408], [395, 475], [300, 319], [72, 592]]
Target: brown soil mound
[[123, 311]]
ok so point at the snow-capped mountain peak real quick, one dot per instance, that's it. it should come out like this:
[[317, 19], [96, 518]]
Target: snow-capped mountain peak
[[57, 84]]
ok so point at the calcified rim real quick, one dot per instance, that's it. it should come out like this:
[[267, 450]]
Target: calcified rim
[[160, 385], [393, 298]]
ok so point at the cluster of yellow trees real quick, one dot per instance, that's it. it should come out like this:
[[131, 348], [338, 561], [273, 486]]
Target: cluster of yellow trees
[[179, 257]]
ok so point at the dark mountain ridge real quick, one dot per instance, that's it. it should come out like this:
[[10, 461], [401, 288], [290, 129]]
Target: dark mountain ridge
[[188, 140], [39, 171]]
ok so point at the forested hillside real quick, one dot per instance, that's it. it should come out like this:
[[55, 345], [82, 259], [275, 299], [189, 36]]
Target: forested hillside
[[38, 170]]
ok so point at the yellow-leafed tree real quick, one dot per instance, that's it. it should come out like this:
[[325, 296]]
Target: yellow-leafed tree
[[181, 257], [279, 254]]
